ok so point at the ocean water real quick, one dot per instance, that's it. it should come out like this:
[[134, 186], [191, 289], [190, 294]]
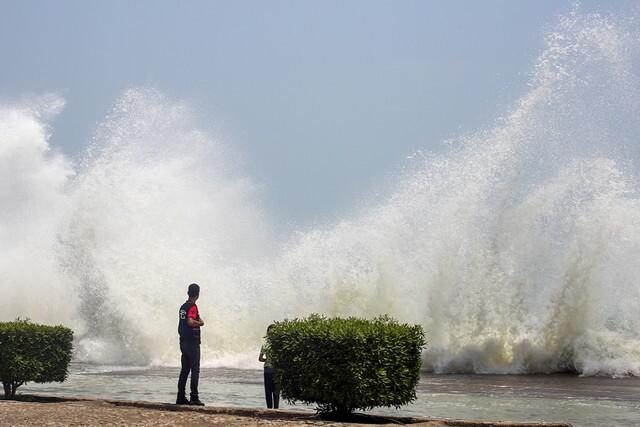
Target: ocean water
[[582, 401]]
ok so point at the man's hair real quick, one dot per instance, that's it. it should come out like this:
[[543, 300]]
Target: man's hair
[[194, 290]]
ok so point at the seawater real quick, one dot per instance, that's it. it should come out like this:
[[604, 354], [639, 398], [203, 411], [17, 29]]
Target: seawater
[[517, 248], [582, 401]]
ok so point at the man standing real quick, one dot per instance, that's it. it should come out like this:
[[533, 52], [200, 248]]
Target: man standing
[[189, 325], [271, 390]]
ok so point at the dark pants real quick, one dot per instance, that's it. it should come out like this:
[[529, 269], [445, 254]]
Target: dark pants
[[271, 390], [190, 362]]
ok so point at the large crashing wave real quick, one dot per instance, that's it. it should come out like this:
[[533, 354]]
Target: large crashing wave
[[517, 250]]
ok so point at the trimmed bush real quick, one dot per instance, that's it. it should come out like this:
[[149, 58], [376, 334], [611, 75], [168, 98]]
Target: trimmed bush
[[33, 352], [346, 364]]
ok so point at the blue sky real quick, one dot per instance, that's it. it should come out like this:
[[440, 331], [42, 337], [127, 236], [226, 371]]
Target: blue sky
[[324, 100]]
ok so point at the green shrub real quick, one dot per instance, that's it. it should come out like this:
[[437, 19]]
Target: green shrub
[[33, 352], [346, 364]]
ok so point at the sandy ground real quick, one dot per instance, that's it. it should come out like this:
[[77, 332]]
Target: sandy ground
[[93, 413], [115, 413]]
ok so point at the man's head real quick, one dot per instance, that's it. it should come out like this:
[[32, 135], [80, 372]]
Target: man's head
[[193, 291]]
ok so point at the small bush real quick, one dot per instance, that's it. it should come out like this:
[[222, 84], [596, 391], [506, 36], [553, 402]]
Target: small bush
[[33, 352], [346, 364]]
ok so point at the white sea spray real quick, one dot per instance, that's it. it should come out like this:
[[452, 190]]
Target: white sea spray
[[517, 249]]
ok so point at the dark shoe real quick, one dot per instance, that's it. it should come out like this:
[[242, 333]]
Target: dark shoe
[[181, 400], [196, 402]]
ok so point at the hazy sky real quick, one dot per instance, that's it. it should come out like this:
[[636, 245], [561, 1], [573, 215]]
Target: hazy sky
[[324, 100]]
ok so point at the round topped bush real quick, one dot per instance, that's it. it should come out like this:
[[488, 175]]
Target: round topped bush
[[33, 352], [346, 364]]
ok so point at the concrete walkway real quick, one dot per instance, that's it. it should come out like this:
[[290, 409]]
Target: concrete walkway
[[50, 411]]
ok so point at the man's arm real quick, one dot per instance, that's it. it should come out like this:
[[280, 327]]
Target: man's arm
[[193, 318], [195, 323]]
